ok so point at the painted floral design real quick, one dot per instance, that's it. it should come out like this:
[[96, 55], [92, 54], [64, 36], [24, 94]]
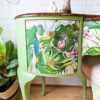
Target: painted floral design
[[61, 44], [55, 47], [91, 38]]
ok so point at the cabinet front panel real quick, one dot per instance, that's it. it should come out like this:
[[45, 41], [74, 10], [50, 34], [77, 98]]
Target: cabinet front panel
[[53, 46]]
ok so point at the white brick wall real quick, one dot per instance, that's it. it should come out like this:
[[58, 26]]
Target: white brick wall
[[7, 14]]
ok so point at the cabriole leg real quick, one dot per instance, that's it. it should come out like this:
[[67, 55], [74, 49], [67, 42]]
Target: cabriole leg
[[43, 92], [25, 79], [95, 91], [84, 88]]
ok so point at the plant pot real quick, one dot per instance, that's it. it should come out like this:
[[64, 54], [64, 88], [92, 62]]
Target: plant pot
[[16, 95], [10, 93]]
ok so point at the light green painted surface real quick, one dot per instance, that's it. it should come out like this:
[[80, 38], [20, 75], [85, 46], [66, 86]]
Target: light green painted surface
[[92, 48], [25, 76], [80, 44], [21, 38], [51, 17], [95, 91], [21, 43]]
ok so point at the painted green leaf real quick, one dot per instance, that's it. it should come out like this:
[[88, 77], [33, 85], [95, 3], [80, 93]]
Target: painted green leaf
[[69, 30], [52, 60], [75, 34], [55, 42], [92, 51], [75, 27], [45, 41], [69, 27], [40, 29], [31, 35], [92, 24], [60, 30], [69, 45], [72, 31], [40, 64]]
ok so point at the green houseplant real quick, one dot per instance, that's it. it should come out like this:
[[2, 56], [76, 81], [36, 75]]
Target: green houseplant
[[8, 68]]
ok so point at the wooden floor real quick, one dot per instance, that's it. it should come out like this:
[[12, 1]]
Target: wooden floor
[[59, 93]]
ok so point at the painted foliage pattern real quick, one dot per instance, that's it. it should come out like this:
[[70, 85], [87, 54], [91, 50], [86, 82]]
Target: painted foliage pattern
[[52, 46], [91, 38], [91, 46]]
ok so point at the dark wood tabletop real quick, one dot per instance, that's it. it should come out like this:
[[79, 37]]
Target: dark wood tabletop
[[85, 16]]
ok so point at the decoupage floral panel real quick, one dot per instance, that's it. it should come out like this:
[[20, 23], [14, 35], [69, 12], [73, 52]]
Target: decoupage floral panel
[[52, 46], [91, 38]]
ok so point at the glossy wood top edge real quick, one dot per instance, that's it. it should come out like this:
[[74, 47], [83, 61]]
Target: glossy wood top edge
[[42, 14], [85, 16]]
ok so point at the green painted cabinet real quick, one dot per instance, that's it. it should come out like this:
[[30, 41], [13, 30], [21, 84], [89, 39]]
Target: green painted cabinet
[[49, 45], [91, 55]]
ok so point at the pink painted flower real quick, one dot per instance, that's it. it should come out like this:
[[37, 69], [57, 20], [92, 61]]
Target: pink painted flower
[[61, 44]]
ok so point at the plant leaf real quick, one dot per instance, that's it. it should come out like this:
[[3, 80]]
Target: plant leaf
[[15, 53], [12, 64], [11, 73], [9, 49], [2, 52], [1, 30], [2, 81], [1, 71]]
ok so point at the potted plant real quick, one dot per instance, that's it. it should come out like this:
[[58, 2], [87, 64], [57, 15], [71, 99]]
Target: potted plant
[[8, 69]]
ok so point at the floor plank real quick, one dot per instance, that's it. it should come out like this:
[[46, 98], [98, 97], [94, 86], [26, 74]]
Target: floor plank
[[59, 93]]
